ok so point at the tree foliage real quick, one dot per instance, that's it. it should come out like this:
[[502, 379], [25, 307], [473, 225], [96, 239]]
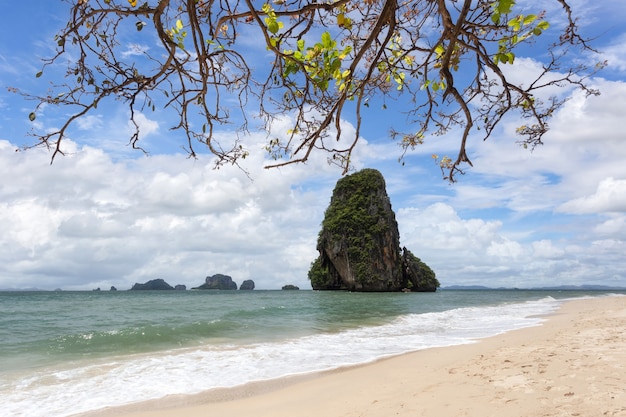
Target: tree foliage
[[317, 62]]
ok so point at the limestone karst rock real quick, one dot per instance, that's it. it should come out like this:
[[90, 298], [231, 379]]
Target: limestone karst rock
[[248, 284], [359, 244], [154, 284], [218, 282], [290, 287]]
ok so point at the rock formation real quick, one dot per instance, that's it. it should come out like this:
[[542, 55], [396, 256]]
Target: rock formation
[[359, 243], [247, 285], [180, 287], [416, 274], [290, 287], [154, 284], [218, 282]]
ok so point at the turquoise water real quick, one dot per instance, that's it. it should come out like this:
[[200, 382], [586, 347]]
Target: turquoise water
[[67, 352]]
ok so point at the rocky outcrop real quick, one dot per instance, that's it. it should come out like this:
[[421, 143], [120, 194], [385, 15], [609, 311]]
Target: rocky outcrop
[[154, 284], [247, 285], [416, 274], [359, 244], [113, 288], [218, 282], [290, 287], [180, 287]]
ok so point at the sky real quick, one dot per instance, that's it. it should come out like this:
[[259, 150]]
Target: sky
[[105, 215]]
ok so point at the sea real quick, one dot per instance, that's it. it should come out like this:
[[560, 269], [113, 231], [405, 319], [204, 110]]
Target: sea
[[64, 353]]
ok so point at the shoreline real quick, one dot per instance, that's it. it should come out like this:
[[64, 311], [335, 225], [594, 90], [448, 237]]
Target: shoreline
[[571, 364]]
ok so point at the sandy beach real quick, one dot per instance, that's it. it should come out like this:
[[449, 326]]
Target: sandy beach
[[574, 364]]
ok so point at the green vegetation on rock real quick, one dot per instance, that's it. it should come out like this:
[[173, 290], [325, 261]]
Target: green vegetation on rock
[[359, 241]]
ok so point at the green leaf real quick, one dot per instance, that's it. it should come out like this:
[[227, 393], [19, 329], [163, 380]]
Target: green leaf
[[505, 6], [327, 41], [139, 25], [39, 74], [273, 27], [32, 116], [514, 23], [543, 25], [341, 18], [529, 19], [440, 50], [511, 57]]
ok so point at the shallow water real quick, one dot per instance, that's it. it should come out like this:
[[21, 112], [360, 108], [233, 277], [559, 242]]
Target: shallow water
[[67, 352]]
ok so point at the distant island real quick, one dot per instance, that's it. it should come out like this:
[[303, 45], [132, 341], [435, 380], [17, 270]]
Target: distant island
[[214, 282], [290, 287]]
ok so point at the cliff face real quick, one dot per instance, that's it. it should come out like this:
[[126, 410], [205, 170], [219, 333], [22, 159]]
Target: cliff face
[[359, 243]]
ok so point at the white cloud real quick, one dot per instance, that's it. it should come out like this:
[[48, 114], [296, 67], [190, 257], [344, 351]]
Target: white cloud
[[135, 49], [86, 221], [615, 227], [583, 148], [546, 249], [615, 54], [89, 122], [478, 252], [146, 125], [610, 196]]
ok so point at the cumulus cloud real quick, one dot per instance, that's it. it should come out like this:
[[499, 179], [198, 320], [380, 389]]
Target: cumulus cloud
[[610, 196], [88, 221], [583, 148], [478, 252], [521, 218]]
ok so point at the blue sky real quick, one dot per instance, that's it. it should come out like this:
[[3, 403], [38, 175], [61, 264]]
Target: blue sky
[[108, 215]]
